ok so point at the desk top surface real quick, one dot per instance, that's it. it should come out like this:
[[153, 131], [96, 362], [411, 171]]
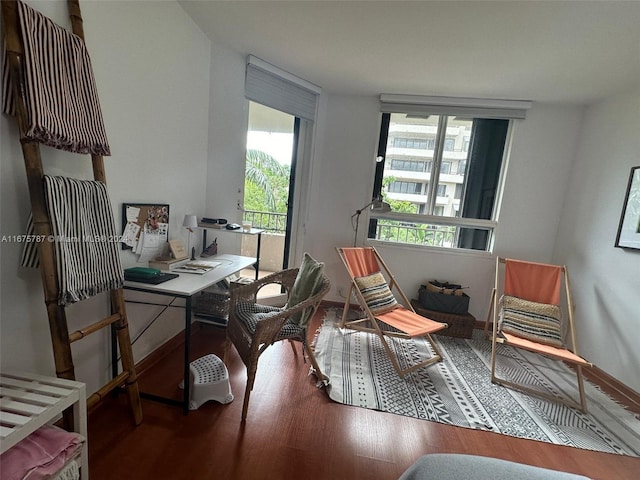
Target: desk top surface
[[187, 284]]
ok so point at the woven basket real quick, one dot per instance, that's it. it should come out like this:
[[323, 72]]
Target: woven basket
[[444, 288], [460, 326], [211, 304]]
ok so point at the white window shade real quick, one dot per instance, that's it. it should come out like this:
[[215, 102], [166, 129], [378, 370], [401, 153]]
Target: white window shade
[[460, 106], [281, 90]]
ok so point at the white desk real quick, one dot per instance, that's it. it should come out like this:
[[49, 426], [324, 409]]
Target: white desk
[[186, 286]]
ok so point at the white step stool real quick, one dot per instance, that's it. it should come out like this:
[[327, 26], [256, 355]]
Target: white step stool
[[209, 381]]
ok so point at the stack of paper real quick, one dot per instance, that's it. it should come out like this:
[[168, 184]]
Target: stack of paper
[[196, 266]]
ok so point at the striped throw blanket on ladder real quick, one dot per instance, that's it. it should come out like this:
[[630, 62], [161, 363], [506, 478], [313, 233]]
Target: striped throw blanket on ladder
[[85, 238], [61, 99]]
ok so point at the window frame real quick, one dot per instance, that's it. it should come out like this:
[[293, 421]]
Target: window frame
[[488, 225]]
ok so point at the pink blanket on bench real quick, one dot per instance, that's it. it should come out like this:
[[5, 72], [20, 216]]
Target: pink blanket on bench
[[40, 455]]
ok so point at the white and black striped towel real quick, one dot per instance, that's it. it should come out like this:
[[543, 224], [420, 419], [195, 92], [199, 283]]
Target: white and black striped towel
[[85, 238], [29, 257], [60, 93]]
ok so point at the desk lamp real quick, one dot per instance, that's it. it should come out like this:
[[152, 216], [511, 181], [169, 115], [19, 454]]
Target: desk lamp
[[377, 205], [190, 222]]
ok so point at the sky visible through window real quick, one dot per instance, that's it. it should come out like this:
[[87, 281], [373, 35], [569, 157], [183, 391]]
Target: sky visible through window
[[278, 145]]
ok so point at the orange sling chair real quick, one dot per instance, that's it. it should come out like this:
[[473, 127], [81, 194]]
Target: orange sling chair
[[525, 302], [374, 294]]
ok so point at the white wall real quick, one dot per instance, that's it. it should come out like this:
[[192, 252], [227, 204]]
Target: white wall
[[154, 100], [540, 162], [343, 180], [228, 120], [605, 280]]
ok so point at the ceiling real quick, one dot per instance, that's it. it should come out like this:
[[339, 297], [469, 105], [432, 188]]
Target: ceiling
[[575, 52]]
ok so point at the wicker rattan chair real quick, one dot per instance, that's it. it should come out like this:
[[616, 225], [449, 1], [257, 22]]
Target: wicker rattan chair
[[252, 327]]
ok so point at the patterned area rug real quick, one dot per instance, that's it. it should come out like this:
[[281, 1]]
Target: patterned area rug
[[458, 390]]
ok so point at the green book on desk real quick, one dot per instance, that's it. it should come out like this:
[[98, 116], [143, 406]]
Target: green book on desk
[[147, 275]]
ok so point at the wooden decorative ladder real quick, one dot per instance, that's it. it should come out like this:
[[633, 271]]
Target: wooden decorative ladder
[[60, 336]]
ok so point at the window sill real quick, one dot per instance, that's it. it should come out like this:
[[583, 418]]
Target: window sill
[[431, 249]]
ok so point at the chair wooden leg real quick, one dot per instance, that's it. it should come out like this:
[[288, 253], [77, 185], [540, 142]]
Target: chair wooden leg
[[493, 361], [489, 320], [314, 363], [433, 344], [391, 355], [245, 405], [293, 347], [225, 351], [346, 308], [251, 377], [494, 333], [583, 398]]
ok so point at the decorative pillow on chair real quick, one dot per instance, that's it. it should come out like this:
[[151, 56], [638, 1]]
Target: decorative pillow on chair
[[376, 293], [539, 322], [306, 285]]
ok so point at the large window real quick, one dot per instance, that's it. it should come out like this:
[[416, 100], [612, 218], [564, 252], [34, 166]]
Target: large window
[[464, 148], [291, 107]]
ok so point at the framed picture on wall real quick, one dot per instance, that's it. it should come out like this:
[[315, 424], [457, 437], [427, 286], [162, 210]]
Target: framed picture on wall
[[144, 221], [629, 228]]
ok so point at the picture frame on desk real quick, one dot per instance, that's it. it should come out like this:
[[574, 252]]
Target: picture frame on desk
[[177, 249], [167, 264]]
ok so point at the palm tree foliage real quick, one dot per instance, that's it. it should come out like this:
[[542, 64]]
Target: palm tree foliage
[[267, 190], [266, 183], [407, 232]]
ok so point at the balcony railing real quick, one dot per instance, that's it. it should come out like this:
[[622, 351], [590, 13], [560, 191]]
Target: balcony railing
[[387, 230], [271, 222], [431, 235]]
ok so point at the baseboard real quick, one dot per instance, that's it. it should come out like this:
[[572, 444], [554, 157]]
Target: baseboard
[[480, 324], [333, 304], [163, 350], [613, 386]]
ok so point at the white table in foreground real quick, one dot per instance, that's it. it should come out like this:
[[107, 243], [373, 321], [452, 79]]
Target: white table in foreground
[[186, 286]]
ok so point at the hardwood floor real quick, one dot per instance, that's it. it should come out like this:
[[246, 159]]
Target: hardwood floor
[[293, 430]]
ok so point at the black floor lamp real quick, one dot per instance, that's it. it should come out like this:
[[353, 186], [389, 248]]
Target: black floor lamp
[[377, 206]]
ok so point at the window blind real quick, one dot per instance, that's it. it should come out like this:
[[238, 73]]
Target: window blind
[[276, 88], [459, 106]]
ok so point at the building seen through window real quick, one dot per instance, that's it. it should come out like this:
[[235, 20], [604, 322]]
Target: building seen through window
[[438, 166]]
